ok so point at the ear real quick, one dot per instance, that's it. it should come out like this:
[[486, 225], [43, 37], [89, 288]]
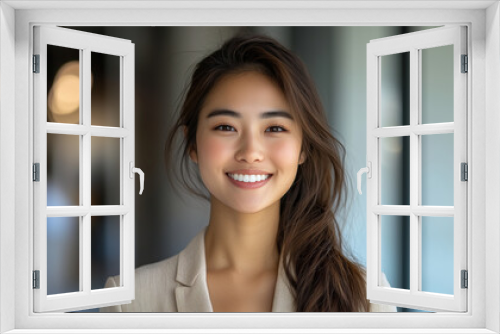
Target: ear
[[192, 152], [193, 156], [302, 158]]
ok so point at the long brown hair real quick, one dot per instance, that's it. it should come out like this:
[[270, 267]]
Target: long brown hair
[[323, 278]]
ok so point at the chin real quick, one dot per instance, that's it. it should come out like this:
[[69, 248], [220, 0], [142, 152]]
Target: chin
[[245, 208]]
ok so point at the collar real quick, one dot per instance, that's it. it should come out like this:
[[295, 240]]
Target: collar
[[192, 294]]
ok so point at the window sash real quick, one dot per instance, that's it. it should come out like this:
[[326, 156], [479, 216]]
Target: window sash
[[85, 42], [413, 43]]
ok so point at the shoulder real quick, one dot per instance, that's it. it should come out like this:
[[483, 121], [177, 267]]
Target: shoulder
[[155, 285], [164, 268]]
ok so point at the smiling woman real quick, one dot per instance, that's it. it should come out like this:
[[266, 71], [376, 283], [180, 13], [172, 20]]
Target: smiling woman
[[242, 254], [253, 145], [256, 138]]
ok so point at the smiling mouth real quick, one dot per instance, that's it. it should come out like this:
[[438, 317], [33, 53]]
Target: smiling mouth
[[249, 178]]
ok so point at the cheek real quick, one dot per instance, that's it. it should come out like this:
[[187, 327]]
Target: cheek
[[286, 152], [212, 150]]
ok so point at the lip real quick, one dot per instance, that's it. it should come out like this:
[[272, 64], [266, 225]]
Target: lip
[[249, 185]]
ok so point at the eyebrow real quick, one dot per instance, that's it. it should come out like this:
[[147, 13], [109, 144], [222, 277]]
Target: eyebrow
[[267, 114]]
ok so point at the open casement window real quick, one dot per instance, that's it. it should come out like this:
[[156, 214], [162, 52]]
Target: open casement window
[[417, 156], [83, 171]]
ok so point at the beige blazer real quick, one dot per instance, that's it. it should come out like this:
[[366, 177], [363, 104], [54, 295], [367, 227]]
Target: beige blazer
[[179, 284]]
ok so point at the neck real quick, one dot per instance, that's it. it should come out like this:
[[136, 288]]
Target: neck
[[244, 243]]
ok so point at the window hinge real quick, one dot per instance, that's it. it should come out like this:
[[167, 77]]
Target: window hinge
[[36, 279], [36, 172], [465, 171], [465, 64], [36, 63], [465, 279]]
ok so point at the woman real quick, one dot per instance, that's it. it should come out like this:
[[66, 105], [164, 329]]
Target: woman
[[256, 138]]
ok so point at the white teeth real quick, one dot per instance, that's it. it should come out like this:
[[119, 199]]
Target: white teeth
[[248, 178]]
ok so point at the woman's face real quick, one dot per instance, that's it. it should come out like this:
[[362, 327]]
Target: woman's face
[[246, 127]]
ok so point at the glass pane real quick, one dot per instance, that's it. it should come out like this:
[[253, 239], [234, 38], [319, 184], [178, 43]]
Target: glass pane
[[395, 168], [105, 89], [437, 84], [437, 254], [105, 171], [105, 249], [63, 167], [437, 169], [63, 85], [395, 89], [63, 255], [395, 241]]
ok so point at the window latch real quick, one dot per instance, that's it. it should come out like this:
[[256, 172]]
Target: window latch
[[133, 170], [367, 170]]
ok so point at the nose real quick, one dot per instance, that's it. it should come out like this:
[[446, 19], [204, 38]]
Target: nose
[[249, 150]]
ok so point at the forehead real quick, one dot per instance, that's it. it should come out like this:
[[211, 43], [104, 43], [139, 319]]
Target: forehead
[[246, 90]]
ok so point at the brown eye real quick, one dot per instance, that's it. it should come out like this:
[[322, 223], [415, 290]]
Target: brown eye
[[224, 127], [276, 128]]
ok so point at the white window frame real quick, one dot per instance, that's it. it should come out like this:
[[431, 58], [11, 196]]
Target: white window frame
[[16, 125]]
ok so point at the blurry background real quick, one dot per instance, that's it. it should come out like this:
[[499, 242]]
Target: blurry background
[[166, 221]]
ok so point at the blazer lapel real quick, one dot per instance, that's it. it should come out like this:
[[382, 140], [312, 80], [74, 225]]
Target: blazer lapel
[[192, 293]]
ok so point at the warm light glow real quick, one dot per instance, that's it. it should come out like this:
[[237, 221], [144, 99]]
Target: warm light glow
[[66, 98], [64, 95]]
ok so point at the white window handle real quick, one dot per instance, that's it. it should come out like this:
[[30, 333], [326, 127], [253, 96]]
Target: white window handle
[[361, 172], [138, 171]]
